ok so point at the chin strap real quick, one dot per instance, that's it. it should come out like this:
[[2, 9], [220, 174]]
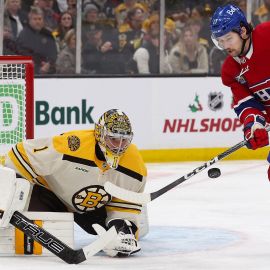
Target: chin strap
[[243, 46]]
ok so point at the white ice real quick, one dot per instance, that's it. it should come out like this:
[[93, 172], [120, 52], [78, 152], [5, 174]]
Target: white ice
[[202, 224]]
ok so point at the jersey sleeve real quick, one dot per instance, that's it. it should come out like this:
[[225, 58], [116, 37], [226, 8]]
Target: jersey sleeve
[[33, 159], [244, 102]]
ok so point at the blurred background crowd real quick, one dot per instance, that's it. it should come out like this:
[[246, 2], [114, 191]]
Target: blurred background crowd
[[124, 37]]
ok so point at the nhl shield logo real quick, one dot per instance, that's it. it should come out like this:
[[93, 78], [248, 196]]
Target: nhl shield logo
[[73, 143], [215, 101]]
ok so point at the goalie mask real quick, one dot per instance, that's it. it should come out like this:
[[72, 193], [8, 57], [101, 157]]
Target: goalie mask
[[114, 134]]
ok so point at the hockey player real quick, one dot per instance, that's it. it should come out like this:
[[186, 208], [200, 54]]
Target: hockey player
[[68, 173], [245, 70]]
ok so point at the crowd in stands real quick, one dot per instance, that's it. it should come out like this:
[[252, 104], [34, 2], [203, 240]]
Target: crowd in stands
[[118, 36]]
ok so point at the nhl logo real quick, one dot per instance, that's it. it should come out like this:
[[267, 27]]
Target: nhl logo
[[73, 143], [215, 101]]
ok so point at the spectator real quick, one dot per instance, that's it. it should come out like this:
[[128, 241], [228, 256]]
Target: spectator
[[133, 28], [90, 21], [37, 41], [66, 60], [180, 16], [9, 44], [62, 5], [196, 27], [51, 18], [200, 18], [147, 56], [15, 17], [91, 52], [65, 24], [14, 21], [188, 55], [262, 13], [122, 10], [72, 8], [103, 56]]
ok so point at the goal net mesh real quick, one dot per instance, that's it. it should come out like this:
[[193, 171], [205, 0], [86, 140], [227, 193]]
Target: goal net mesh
[[12, 106]]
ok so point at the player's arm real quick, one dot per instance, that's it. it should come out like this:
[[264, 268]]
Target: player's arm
[[32, 159], [250, 112]]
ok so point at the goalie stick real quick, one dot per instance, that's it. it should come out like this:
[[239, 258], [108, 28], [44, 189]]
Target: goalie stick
[[144, 198], [55, 245]]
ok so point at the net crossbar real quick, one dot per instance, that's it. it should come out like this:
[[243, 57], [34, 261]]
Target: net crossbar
[[16, 102]]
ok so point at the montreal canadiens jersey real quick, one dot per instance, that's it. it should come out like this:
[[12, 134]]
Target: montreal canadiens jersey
[[249, 76], [67, 165]]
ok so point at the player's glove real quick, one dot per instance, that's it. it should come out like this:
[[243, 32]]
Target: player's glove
[[255, 132], [125, 243]]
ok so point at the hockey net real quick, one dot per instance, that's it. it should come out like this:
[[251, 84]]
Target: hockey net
[[16, 101]]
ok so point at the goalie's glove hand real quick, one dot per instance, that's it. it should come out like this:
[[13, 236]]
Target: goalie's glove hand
[[125, 243], [255, 132]]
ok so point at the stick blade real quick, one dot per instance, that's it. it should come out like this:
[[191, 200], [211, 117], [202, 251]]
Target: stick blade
[[127, 195], [100, 243]]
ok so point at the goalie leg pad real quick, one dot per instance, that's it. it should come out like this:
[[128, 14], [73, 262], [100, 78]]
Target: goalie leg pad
[[13, 195]]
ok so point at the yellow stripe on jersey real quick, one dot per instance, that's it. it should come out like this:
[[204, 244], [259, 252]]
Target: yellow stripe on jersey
[[116, 200], [123, 206], [20, 159], [123, 209], [41, 181], [19, 166]]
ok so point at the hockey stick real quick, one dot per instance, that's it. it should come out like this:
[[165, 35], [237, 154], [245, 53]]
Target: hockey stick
[[144, 198], [55, 245]]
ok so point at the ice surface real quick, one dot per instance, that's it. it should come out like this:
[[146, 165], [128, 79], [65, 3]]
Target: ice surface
[[202, 224]]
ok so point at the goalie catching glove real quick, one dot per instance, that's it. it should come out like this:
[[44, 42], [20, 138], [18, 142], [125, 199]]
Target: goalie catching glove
[[125, 244], [255, 132]]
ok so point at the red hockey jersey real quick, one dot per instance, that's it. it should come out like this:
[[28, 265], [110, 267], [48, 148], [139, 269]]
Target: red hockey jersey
[[249, 76]]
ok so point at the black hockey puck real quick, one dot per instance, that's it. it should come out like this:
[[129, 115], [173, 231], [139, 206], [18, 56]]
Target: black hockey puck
[[214, 173]]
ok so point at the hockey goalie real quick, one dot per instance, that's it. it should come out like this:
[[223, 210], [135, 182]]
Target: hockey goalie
[[66, 173]]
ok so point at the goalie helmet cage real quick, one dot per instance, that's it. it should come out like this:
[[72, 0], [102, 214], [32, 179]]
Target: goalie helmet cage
[[16, 101]]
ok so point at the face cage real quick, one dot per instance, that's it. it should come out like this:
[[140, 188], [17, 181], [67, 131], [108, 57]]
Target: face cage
[[116, 143]]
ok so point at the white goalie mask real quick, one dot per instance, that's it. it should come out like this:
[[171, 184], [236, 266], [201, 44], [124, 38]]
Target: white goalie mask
[[114, 134]]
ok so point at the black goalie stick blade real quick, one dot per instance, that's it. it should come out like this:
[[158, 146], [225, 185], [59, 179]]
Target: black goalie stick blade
[[55, 245]]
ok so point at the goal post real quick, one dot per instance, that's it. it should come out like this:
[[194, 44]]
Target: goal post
[[16, 101]]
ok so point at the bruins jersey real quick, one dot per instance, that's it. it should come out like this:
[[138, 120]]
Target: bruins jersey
[[68, 166]]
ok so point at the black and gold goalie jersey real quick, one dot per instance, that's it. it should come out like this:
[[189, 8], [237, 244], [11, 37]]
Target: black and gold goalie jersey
[[68, 166]]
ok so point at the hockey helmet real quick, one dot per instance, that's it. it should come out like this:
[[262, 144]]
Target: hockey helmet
[[114, 134], [228, 18]]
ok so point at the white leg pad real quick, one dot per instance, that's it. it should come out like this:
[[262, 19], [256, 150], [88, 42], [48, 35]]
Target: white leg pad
[[13, 195]]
